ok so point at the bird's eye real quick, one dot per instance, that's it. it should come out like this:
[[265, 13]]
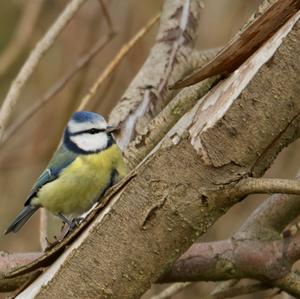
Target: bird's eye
[[94, 131]]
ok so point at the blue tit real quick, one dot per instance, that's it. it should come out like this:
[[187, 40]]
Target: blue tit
[[87, 162]]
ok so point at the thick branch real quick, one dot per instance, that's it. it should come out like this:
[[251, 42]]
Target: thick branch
[[223, 260]]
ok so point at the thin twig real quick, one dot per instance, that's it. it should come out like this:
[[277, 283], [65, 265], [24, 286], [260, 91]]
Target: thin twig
[[107, 16], [116, 61], [56, 88], [21, 36], [171, 290], [265, 185], [31, 63], [180, 40]]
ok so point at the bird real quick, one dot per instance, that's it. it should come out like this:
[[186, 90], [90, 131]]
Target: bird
[[86, 163]]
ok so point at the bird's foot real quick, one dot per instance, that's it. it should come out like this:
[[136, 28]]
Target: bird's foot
[[71, 225], [67, 227], [76, 221], [50, 244]]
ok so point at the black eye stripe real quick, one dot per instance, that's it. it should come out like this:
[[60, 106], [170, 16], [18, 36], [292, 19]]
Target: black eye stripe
[[89, 131], [94, 131]]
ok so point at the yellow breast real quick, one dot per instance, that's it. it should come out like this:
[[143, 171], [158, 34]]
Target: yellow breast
[[82, 182]]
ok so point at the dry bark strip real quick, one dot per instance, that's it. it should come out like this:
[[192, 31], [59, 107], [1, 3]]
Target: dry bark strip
[[245, 43], [178, 191]]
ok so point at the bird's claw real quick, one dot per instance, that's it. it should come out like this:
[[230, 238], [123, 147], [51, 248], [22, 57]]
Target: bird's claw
[[50, 245], [76, 221]]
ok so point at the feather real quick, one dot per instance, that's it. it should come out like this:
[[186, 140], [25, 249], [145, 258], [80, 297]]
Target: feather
[[21, 219], [61, 159]]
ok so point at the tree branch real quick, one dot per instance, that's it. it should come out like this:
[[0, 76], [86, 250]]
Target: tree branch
[[168, 61], [267, 223], [270, 218], [9, 261], [264, 185], [223, 260]]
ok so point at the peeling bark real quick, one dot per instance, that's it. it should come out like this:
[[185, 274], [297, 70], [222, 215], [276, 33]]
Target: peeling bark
[[140, 147], [176, 194]]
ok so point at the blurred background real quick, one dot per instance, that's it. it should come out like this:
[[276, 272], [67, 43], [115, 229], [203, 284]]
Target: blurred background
[[24, 156]]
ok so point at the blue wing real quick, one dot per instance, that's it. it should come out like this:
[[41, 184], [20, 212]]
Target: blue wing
[[61, 159]]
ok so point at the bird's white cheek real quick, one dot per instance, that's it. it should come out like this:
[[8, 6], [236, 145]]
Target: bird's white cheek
[[88, 142]]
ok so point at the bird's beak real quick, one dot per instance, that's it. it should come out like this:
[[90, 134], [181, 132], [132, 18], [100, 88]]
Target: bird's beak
[[111, 129]]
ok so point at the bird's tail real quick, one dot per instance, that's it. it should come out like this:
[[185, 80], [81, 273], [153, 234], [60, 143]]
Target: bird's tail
[[21, 219]]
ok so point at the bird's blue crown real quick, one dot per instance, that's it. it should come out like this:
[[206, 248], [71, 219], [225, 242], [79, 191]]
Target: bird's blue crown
[[85, 116]]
